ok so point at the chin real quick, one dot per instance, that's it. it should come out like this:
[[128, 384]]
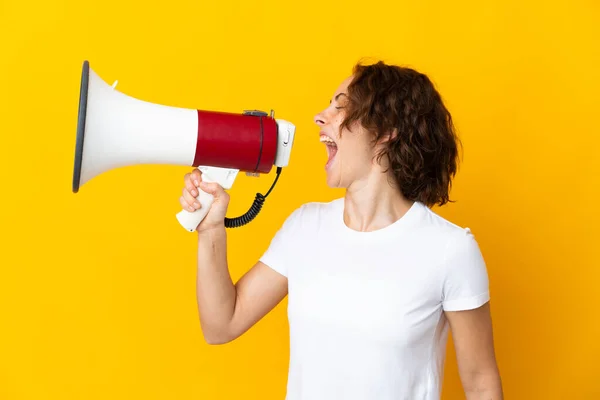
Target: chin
[[331, 181], [334, 181]]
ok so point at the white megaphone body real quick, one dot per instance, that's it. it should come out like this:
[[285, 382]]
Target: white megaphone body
[[115, 130]]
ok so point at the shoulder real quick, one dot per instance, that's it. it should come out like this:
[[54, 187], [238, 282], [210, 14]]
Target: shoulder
[[463, 275], [451, 244], [458, 246], [442, 230], [301, 224], [313, 212]]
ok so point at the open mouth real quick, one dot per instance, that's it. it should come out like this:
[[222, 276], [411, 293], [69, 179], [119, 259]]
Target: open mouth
[[331, 147]]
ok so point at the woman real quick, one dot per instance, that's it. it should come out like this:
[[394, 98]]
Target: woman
[[375, 279]]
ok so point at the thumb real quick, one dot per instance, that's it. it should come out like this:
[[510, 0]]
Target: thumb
[[211, 188]]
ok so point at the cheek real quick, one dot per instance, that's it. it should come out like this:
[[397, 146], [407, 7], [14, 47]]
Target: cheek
[[336, 123], [355, 153]]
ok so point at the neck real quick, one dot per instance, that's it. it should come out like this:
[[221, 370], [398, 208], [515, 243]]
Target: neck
[[373, 203]]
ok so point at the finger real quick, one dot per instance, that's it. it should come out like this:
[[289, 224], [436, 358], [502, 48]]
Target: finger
[[215, 189], [190, 200], [210, 187], [185, 205], [189, 185], [196, 177]]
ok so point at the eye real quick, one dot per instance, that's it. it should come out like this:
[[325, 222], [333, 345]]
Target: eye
[[336, 107]]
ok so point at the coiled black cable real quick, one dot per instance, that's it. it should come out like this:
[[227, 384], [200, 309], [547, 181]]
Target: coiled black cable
[[255, 208]]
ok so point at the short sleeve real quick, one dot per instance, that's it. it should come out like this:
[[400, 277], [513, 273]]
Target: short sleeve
[[466, 283], [280, 253]]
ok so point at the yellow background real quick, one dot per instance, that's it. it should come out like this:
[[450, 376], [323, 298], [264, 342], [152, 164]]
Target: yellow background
[[97, 289]]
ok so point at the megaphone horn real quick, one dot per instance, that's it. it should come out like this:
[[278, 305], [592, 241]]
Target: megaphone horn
[[116, 130]]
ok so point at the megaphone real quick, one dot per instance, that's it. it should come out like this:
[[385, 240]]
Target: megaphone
[[116, 130]]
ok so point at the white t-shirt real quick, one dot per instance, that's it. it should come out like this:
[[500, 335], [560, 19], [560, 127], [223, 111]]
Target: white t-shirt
[[365, 309]]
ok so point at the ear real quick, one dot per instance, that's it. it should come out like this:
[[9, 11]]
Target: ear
[[389, 136]]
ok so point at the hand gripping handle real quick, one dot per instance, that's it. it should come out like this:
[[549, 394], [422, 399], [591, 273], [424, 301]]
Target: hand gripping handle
[[222, 176], [190, 220]]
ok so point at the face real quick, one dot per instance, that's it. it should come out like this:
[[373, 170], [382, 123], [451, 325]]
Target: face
[[349, 152]]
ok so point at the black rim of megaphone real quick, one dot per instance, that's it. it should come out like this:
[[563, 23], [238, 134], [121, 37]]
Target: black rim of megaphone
[[83, 95]]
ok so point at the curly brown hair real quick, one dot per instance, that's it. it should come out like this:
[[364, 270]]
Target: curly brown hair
[[423, 154]]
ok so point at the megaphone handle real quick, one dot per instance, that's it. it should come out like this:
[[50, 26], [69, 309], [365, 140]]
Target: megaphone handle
[[191, 220], [222, 176]]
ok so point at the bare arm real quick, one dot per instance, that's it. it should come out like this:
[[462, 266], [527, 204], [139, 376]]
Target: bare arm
[[227, 310], [473, 340]]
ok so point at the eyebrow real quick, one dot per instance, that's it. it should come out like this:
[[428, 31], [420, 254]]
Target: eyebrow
[[337, 96]]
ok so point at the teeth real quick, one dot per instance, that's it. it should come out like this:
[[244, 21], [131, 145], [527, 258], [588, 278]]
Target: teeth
[[326, 139]]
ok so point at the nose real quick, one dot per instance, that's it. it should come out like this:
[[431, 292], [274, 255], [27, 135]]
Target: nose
[[319, 119]]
